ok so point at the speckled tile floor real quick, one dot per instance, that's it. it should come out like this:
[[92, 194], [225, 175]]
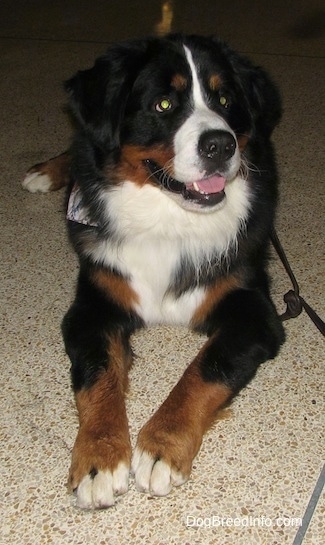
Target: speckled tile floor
[[264, 459]]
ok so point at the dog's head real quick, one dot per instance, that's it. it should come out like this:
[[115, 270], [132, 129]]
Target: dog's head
[[177, 113]]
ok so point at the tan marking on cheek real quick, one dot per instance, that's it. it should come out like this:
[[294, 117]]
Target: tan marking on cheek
[[116, 287], [103, 437], [242, 142], [179, 82], [131, 165], [215, 82], [213, 296]]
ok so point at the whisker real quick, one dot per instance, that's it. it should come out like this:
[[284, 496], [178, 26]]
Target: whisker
[[246, 167], [153, 174], [163, 172]]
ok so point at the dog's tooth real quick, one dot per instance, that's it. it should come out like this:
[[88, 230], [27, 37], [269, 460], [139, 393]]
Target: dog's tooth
[[196, 187]]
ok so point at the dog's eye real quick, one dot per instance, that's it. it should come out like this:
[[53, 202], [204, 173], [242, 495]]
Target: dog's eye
[[224, 101], [164, 105]]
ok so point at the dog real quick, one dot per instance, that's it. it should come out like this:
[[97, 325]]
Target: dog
[[173, 189]]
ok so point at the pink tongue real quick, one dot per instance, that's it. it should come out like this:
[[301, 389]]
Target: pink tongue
[[215, 184]]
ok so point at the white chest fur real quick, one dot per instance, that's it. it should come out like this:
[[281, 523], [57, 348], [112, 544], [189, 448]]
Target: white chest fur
[[150, 266], [155, 232]]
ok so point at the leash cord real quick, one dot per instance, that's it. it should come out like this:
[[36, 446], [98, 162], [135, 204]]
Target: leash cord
[[295, 303]]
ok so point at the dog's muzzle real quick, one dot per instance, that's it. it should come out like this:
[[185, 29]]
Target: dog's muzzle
[[215, 148]]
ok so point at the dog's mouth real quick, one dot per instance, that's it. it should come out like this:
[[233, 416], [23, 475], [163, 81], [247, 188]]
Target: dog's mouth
[[208, 191]]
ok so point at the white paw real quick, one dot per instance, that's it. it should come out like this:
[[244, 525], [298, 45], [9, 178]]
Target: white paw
[[155, 477], [100, 491], [37, 183]]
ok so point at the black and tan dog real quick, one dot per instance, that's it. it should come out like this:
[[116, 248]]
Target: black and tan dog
[[173, 196]]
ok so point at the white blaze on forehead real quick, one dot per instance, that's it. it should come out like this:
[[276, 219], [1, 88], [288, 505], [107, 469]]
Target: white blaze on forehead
[[188, 167], [197, 94]]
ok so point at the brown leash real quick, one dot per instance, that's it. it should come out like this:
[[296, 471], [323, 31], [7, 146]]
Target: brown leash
[[295, 303]]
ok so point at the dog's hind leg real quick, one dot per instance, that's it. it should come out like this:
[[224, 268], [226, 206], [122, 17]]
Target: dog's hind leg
[[48, 176]]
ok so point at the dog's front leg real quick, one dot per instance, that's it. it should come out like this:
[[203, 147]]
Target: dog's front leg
[[96, 334], [244, 332], [101, 454], [168, 443]]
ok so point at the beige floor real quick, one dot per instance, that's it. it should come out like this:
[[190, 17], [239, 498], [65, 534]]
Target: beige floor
[[264, 460]]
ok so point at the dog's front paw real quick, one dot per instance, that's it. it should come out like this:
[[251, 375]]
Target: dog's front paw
[[154, 475], [99, 471], [164, 453], [99, 489]]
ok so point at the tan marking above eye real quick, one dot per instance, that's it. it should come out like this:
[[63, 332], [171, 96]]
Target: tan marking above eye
[[179, 82], [215, 82]]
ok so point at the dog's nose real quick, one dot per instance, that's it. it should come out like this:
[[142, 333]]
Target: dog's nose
[[216, 147]]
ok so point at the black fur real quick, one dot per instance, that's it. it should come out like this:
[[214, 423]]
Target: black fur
[[112, 105], [248, 331], [131, 111], [87, 327]]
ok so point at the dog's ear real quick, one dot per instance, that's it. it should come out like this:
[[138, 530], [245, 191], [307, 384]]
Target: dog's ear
[[261, 94], [98, 96], [265, 100]]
